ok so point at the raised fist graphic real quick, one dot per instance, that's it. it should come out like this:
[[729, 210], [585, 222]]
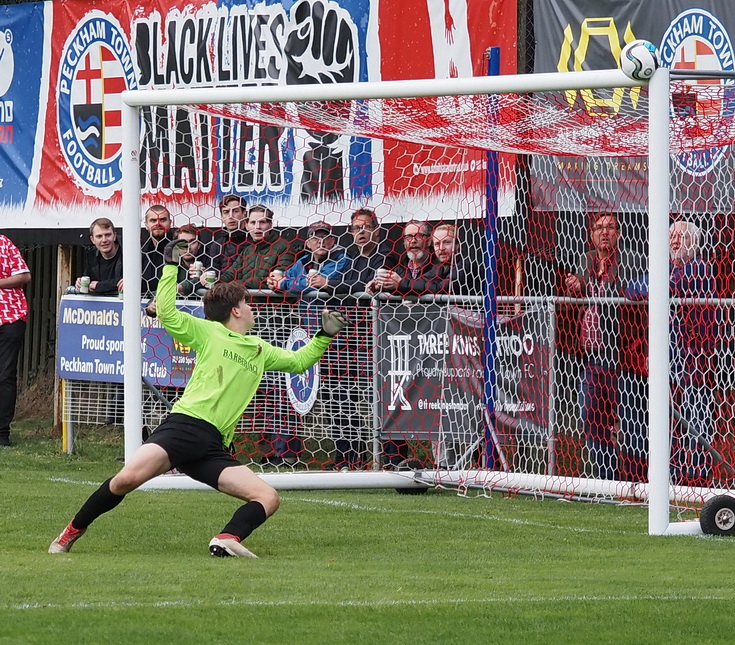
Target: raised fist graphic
[[321, 46]]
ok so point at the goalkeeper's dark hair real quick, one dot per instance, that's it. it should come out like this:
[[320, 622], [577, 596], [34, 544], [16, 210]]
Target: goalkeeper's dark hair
[[221, 298]]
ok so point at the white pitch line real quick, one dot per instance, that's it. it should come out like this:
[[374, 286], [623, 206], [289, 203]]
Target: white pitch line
[[64, 480], [233, 602], [474, 516], [377, 509]]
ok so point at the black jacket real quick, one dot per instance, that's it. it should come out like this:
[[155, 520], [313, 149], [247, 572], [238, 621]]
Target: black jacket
[[225, 247], [413, 283], [152, 261], [462, 278], [361, 269], [107, 273]]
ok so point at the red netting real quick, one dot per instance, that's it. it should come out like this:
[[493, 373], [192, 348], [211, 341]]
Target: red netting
[[407, 382], [558, 123]]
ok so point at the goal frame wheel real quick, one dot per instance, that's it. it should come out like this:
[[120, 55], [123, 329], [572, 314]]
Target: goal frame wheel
[[717, 516]]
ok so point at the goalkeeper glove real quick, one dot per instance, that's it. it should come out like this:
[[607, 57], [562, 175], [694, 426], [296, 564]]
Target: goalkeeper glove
[[333, 322], [173, 250], [150, 308]]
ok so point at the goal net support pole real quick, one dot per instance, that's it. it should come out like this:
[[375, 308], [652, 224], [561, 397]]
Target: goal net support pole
[[658, 303], [132, 271]]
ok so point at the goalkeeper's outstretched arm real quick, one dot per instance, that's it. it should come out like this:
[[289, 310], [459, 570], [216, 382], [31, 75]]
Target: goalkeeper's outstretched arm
[[182, 326], [300, 360]]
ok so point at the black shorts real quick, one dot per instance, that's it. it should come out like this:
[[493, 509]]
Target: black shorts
[[194, 447]]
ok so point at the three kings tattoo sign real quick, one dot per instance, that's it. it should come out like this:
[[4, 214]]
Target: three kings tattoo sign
[[431, 373]]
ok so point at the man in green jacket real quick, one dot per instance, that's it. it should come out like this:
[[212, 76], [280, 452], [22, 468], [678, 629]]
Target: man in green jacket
[[263, 251], [195, 437]]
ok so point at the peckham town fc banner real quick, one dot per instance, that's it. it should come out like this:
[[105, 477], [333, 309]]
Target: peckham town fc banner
[[589, 34], [64, 65]]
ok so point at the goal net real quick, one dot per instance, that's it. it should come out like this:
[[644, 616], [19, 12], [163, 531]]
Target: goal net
[[496, 243]]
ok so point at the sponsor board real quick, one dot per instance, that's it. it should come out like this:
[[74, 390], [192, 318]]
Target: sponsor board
[[431, 367], [90, 343]]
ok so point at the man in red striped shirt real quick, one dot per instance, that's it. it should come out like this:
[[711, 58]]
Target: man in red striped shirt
[[14, 274]]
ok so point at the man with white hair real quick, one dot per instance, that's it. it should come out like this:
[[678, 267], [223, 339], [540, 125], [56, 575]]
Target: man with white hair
[[694, 331], [684, 242]]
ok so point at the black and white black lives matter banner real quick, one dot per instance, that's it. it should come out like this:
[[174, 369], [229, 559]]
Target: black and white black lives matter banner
[[312, 42]]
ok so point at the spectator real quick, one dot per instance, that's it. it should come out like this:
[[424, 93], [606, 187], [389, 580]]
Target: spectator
[[227, 241], [368, 254], [263, 250], [192, 276], [694, 331], [604, 276], [322, 262], [414, 265], [158, 224], [449, 275], [351, 358], [407, 277], [452, 274], [103, 262], [14, 275], [633, 406], [322, 255]]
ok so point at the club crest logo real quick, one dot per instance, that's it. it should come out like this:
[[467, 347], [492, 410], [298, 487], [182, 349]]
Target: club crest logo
[[696, 39], [96, 66], [302, 389], [7, 61]]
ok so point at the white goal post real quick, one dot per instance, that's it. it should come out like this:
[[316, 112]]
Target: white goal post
[[657, 491]]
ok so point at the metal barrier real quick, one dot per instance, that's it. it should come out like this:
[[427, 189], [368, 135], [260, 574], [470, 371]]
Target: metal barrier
[[387, 354]]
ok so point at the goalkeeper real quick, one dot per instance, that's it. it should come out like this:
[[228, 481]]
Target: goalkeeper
[[196, 436]]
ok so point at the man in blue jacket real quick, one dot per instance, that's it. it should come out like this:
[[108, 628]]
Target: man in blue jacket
[[319, 269]]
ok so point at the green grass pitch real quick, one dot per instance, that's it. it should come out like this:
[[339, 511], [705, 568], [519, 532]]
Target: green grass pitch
[[342, 567]]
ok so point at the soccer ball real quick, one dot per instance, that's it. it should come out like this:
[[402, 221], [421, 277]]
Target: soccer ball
[[639, 60]]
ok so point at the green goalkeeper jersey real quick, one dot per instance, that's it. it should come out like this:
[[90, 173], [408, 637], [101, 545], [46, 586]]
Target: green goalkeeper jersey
[[229, 366]]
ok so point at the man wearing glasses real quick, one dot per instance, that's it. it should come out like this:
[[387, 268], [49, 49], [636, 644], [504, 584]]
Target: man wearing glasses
[[350, 360], [418, 260]]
